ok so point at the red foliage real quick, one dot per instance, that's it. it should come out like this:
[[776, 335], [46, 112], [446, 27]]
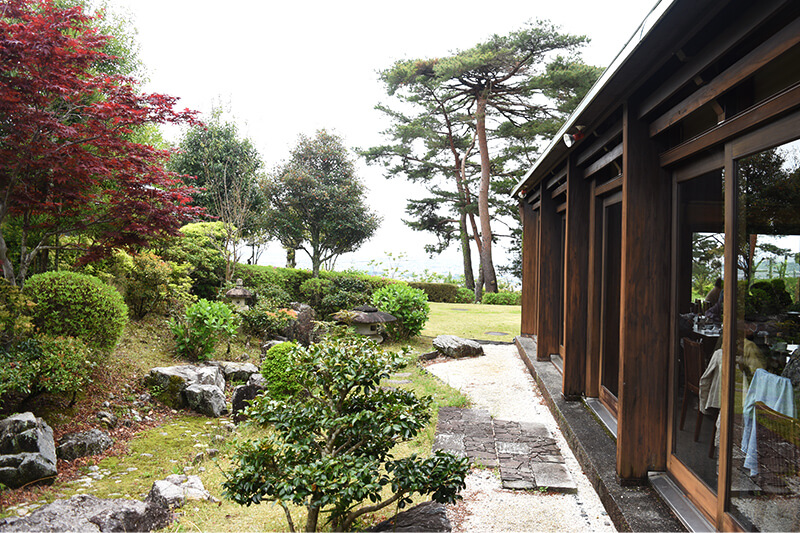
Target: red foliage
[[68, 159]]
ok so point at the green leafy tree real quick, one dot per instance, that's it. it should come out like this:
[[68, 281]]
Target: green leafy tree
[[227, 170], [500, 84], [316, 202], [330, 448]]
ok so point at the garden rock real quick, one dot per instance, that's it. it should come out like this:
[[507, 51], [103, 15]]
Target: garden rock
[[107, 419], [84, 512], [236, 371], [258, 380], [27, 451], [456, 347], [269, 344], [169, 383], [243, 395], [301, 329], [92, 442], [176, 489], [208, 400], [428, 516]]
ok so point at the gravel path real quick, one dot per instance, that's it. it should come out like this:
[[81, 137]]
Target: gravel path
[[500, 383]]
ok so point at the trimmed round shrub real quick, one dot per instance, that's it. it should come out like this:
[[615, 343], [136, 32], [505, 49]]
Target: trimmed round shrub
[[465, 296], [501, 298], [280, 372], [407, 304], [77, 305], [57, 365]]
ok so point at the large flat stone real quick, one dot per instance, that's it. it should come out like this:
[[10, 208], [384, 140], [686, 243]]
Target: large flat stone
[[449, 442], [553, 476]]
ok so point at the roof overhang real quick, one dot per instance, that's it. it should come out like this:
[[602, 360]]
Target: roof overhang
[[655, 40]]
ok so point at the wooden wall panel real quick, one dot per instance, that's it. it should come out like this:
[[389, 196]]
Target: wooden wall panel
[[549, 250], [530, 267], [644, 315], [576, 282]]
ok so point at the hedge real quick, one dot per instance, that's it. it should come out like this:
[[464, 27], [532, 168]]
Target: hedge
[[438, 292]]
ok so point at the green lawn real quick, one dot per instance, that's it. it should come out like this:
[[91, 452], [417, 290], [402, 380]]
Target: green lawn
[[474, 321]]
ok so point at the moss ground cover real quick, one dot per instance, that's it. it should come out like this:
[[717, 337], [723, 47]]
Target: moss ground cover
[[473, 321]]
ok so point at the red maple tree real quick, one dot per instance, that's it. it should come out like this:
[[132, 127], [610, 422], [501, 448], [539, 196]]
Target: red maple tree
[[69, 163]]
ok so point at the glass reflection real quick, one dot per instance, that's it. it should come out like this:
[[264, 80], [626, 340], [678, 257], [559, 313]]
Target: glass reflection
[[765, 482], [701, 250]]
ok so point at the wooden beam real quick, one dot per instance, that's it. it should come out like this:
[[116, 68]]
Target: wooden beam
[[555, 179], [576, 281], [600, 142], [559, 190], [736, 73], [548, 279], [610, 185], [754, 116], [530, 267], [604, 161], [644, 305], [744, 26]]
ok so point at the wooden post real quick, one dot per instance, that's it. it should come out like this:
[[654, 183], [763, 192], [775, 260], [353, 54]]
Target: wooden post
[[530, 267], [576, 284], [549, 263], [644, 298]]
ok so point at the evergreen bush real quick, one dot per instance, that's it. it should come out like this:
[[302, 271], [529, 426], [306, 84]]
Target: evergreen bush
[[205, 323], [56, 365], [437, 292], [77, 305], [330, 448], [15, 314], [465, 296], [501, 298], [280, 371], [407, 304]]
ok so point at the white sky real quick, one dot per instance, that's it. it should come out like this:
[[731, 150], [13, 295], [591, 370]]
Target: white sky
[[292, 67]]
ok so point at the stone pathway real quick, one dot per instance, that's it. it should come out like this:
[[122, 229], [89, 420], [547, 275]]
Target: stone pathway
[[499, 383], [527, 456]]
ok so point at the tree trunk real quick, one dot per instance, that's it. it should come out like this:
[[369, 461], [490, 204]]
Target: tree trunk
[[487, 266], [466, 252], [313, 517], [479, 286]]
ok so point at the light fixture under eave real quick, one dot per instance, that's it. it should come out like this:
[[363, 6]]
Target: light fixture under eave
[[571, 138]]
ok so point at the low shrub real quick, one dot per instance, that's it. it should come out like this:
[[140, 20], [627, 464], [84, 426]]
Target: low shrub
[[437, 292], [407, 304], [152, 285], [15, 314], [280, 371], [313, 290], [77, 305], [57, 365], [501, 298], [264, 320], [205, 323], [465, 296]]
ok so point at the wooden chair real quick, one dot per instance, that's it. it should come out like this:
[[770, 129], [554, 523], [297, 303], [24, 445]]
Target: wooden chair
[[778, 438], [692, 370]]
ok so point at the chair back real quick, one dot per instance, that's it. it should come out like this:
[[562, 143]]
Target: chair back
[[692, 363], [778, 438]]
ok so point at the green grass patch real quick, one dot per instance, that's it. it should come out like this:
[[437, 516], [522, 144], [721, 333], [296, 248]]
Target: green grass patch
[[474, 321]]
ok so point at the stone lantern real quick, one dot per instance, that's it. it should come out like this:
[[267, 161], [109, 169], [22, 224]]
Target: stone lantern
[[366, 320], [239, 296]]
